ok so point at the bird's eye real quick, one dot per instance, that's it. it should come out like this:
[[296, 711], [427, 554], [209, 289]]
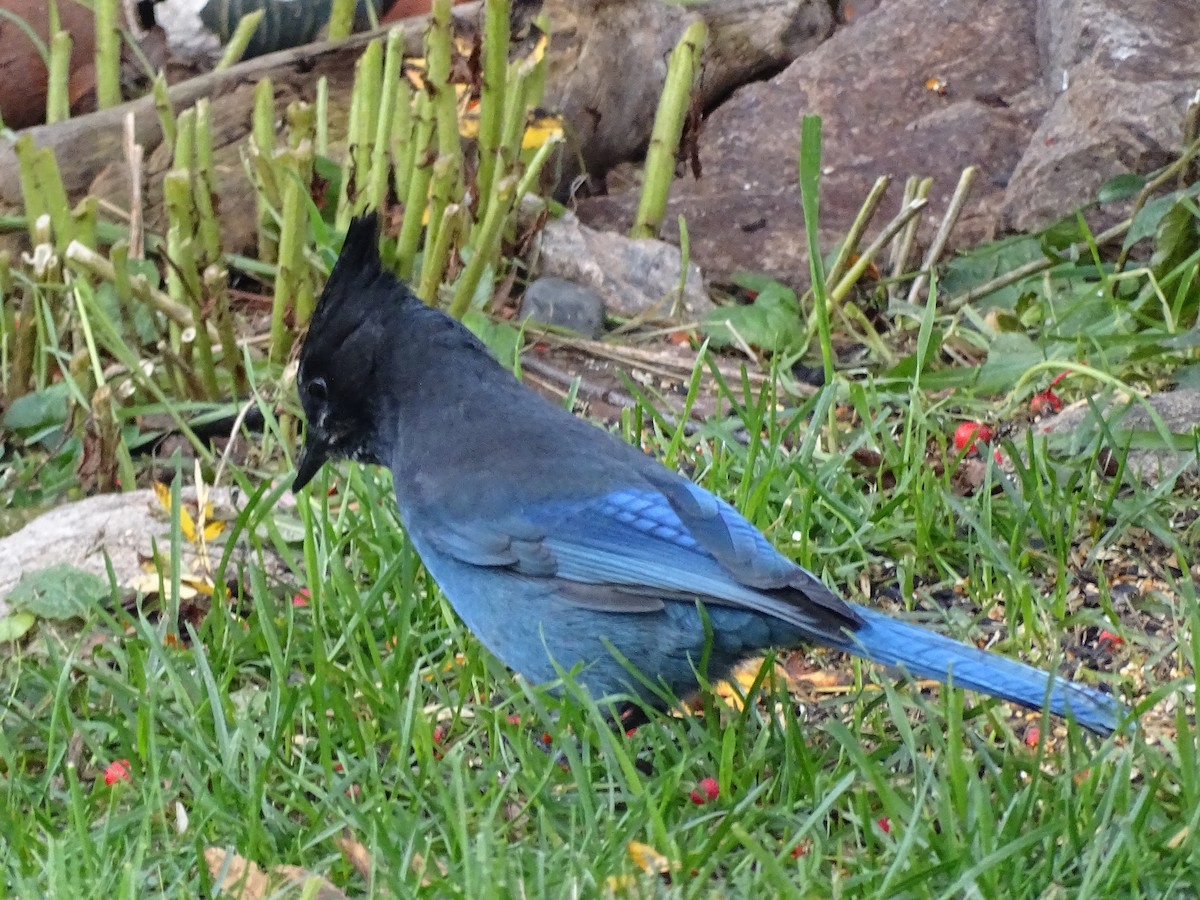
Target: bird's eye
[[318, 389]]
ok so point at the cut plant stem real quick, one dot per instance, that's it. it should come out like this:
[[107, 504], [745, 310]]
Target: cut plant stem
[[262, 151], [934, 253], [866, 213], [914, 189], [668, 127], [108, 53], [207, 226], [492, 97], [360, 133], [58, 102], [377, 179], [166, 112], [237, 44], [424, 156], [341, 19], [292, 285], [433, 268], [485, 238], [906, 215]]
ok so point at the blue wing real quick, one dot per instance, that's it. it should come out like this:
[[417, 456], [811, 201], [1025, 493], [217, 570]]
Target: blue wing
[[634, 548]]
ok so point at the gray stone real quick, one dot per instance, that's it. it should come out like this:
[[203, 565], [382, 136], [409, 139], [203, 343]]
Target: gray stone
[[564, 304], [634, 276], [867, 82], [1127, 420], [120, 529], [1130, 67], [1118, 75]]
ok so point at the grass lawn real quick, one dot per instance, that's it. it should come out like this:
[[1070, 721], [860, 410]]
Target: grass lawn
[[362, 714]]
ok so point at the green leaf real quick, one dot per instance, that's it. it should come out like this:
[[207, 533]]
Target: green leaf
[[1120, 187], [1009, 357], [500, 337], [1177, 238], [772, 322], [58, 592], [984, 263], [15, 626], [1147, 220], [38, 409]]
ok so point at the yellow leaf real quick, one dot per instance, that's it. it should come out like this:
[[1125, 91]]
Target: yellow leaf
[[540, 128], [186, 525], [148, 584], [163, 493], [621, 884], [414, 71], [648, 859]]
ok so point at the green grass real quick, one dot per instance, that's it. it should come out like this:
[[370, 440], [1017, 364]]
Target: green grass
[[275, 727]]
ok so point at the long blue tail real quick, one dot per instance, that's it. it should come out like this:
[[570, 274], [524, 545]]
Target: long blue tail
[[926, 654]]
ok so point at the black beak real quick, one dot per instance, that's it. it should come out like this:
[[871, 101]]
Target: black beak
[[312, 457]]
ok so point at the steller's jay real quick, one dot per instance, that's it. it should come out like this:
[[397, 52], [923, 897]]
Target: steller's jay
[[556, 541]]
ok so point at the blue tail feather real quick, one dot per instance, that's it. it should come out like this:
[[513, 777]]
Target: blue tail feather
[[926, 654]]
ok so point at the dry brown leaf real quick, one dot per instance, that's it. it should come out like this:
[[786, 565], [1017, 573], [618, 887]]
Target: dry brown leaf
[[419, 867], [356, 854], [243, 879]]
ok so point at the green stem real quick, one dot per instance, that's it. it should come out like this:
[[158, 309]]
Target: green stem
[[491, 103], [418, 187], [241, 39], [668, 127], [484, 241], [341, 19], [392, 61], [108, 53], [58, 99]]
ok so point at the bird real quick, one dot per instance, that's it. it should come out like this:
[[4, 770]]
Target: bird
[[565, 549]]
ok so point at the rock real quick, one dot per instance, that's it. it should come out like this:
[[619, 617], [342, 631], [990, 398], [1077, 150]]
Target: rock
[[608, 62], [985, 89], [23, 74], [879, 118], [1128, 421], [1130, 67], [634, 276], [564, 304], [89, 533]]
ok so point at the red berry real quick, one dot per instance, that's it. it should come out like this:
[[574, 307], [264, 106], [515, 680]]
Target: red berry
[[1033, 734], [117, 771], [966, 433], [885, 824], [1108, 639], [706, 789], [1045, 402]]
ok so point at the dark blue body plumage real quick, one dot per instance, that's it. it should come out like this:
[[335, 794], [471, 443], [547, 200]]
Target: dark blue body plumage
[[557, 543]]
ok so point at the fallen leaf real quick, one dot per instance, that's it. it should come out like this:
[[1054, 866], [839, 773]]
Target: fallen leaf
[[58, 592], [15, 626], [648, 859], [356, 854], [242, 879]]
